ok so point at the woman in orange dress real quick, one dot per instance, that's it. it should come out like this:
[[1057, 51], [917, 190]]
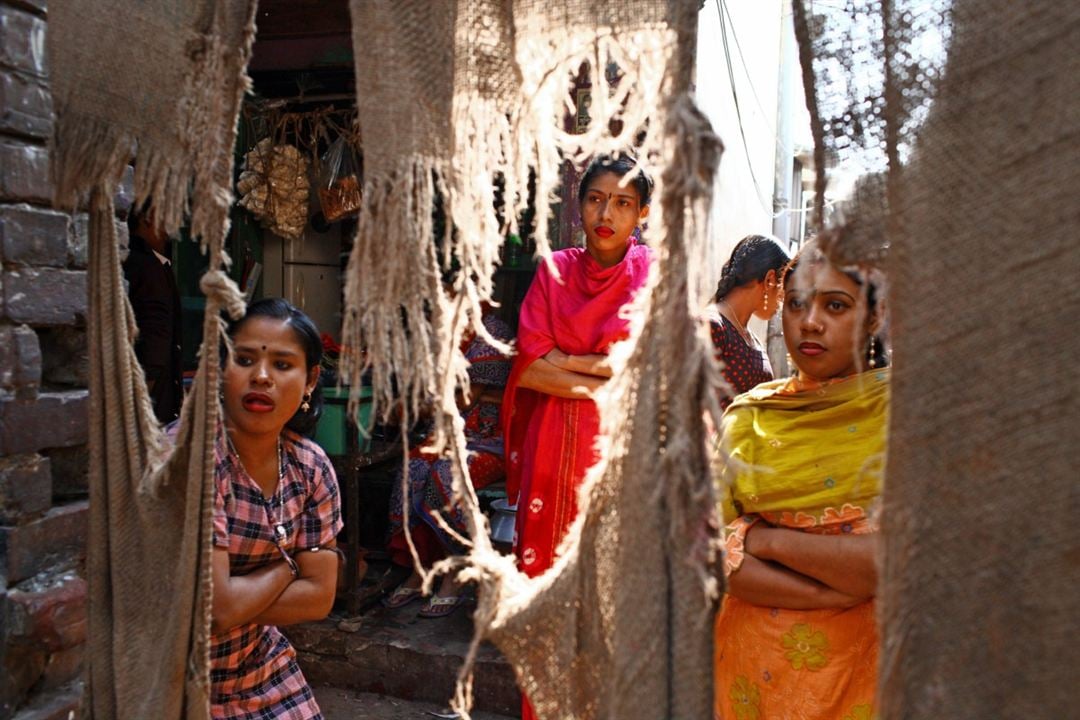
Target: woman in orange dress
[[795, 636]]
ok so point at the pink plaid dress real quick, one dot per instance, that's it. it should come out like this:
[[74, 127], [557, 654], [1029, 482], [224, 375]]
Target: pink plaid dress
[[253, 669]]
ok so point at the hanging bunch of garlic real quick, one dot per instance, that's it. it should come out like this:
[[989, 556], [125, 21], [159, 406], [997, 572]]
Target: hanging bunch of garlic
[[274, 186]]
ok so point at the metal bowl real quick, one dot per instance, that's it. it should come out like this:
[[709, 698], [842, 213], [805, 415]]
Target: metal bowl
[[503, 519]]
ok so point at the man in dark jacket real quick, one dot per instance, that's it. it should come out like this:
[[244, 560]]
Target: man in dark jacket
[[156, 302]]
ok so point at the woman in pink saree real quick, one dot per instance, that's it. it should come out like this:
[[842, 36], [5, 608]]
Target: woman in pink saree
[[566, 328]]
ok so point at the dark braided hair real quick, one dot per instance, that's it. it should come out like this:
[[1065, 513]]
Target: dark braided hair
[[752, 259]]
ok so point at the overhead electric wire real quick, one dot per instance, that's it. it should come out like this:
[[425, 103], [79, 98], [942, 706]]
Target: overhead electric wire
[[738, 110], [745, 66], [721, 11]]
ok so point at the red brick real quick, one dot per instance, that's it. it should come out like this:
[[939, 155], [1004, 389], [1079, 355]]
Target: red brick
[[53, 419], [70, 472], [24, 173], [20, 361], [23, 666], [45, 296], [65, 356], [61, 668], [55, 539], [25, 106], [32, 236], [22, 42], [25, 487], [50, 612]]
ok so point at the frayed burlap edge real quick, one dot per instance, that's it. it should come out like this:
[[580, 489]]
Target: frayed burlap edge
[[133, 476]]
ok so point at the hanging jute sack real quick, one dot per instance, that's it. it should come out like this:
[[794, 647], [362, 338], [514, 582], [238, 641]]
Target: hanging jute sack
[[160, 82], [967, 115], [620, 627]]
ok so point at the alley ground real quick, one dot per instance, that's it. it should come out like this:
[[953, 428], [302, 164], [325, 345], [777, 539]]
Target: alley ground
[[338, 704], [391, 665]]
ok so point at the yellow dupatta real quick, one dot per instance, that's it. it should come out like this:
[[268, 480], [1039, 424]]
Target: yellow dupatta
[[806, 456]]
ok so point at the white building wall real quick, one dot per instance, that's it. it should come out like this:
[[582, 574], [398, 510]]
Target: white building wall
[[741, 206]]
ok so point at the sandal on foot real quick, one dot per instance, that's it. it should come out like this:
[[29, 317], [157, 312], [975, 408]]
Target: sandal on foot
[[438, 607], [401, 596]]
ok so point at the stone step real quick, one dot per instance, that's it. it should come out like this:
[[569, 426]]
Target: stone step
[[398, 654], [339, 704]]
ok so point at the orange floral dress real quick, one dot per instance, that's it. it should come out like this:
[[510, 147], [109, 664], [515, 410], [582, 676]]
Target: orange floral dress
[[808, 458]]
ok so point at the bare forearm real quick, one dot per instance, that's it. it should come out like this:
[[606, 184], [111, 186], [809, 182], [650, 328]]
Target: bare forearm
[[761, 583], [844, 562], [594, 364], [239, 599], [304, 600], [310, 596], [545, 377]]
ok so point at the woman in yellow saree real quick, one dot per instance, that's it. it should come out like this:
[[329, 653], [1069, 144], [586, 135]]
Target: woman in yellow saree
[[795, 636]]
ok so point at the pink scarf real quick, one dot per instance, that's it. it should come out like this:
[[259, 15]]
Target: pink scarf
[[550, 441]]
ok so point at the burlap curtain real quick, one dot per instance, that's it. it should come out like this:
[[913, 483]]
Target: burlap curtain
[[969, 113], [981, 563], [621, 626], [160, 81]]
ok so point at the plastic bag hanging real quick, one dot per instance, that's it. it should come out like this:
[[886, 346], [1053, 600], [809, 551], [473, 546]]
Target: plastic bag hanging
[[339, 181]]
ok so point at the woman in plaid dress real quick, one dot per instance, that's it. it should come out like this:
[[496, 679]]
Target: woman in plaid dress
[[276, 515]]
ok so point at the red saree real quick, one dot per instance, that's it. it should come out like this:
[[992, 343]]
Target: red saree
[[550, 441]]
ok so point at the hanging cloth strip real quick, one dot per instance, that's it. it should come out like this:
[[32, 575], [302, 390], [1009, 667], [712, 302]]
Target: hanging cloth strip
[[965, 109], [587, 638], [165, 83]]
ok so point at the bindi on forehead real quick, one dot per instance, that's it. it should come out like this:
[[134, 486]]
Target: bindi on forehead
[[609, 195], [282, 350]]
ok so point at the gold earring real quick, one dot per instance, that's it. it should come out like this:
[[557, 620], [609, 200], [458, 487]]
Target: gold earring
[[306, 406], [870, 353], [765, 303]]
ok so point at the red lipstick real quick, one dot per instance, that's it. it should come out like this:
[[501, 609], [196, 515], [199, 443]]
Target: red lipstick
[[603, 231], [811, 348], [257, 402]]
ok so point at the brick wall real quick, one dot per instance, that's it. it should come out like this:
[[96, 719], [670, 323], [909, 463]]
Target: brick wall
[[43, 395]]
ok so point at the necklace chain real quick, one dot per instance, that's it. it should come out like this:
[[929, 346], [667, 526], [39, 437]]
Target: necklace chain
[[279, 526], [281, 476], [739, 327]]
